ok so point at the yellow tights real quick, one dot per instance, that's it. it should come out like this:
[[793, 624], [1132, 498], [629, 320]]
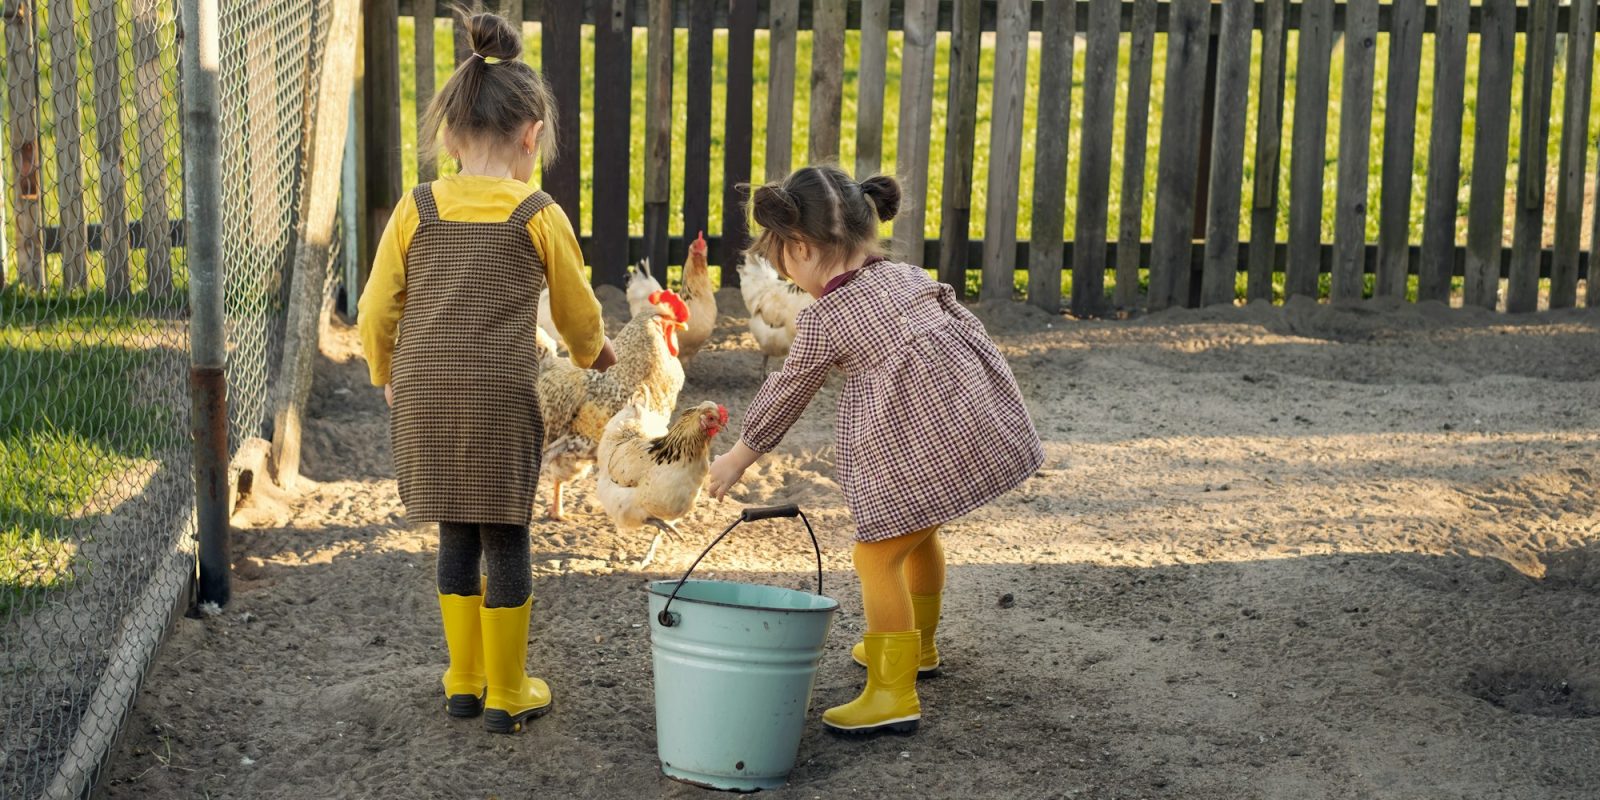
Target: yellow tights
[[892, 570]]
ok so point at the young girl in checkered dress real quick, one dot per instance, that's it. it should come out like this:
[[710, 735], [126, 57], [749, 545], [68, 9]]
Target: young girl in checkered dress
[[930, 423]]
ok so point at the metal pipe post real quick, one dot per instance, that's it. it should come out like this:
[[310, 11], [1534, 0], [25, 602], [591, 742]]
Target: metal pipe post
[[202, 193]]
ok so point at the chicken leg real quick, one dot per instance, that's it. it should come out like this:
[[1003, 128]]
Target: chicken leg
[[667, 530], [557, 511]]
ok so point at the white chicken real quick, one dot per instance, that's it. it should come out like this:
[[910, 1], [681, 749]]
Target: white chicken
[[641, 287], [773, 304], [650, 474]]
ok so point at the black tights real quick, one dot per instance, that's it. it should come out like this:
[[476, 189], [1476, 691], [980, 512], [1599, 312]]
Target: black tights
[[504, 548]]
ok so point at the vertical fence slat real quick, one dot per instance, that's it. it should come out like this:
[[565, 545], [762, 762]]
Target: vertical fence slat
[[613, 66], [24, 158], [115, 242], [915, 134], [658, 135], [1269, 151], [149, 90], [1527, 230], [560, 36], [1227, 154], [827, 79], [69, 144], [1050, 153], [1141, 49], [1491, 139], [1005, 151], [1093, 211], [1399, 147], [1188, 38], [784, 18], [697, 128], [381, 90], [1355, 139], [1574, 156], [736, 138], [1437, 261], [869, 86], [961, 123], [1309, 150], [427, 158]]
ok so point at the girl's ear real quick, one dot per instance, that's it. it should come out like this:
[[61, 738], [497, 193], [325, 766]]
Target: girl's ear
[[530, 136], [797, 251]]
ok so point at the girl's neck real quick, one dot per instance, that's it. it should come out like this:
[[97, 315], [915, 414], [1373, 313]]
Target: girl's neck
[[852, 263], [486, 168]]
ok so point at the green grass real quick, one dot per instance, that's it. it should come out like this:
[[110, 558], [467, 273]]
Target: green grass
[[76, 413]]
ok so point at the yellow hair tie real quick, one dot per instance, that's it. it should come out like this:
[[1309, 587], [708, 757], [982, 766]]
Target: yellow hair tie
[[487, 59]]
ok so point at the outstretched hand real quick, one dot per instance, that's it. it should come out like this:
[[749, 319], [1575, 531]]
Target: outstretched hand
[[606, 359], [728, 470]]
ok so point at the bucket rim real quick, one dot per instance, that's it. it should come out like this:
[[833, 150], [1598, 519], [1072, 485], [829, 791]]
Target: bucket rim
[[652, 588]]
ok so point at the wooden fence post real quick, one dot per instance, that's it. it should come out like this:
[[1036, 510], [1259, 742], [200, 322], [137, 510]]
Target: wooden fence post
[[961, 122], [1005, 151], [115, 242], [74, 230], [1574, 155], [613, 66], [1269, 152], [1399, 148], [149, 91], [658, 136], [561, 33], [1135, 140], [1355, 140], [1310, 149], [915, 133], [1188, 41], [427, 155], [1221, 268], [1527, 236], [1437, 262], [784, 19], [869, 86], [697, 131], [380, 23], [1050, 150], [23, 158], [329, 115], [827, 79], [736, 140]]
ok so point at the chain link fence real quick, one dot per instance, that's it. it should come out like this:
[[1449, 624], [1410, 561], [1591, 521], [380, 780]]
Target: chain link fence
[[96, 455]]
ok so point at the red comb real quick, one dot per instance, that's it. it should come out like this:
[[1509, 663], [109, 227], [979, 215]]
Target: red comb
[[680, 310], [699, 244]]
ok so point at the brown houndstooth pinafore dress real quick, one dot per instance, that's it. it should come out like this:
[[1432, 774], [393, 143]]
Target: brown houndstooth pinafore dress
[[466, 426]]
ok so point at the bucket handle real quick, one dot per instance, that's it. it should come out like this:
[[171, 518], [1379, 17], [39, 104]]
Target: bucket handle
[[668, 620]]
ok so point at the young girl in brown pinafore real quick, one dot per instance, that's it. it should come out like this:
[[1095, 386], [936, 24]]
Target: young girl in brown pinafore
[[447, 322], [930, 425]]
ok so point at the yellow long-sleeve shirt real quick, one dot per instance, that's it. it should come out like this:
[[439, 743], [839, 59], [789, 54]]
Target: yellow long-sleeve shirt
[[477, 198]]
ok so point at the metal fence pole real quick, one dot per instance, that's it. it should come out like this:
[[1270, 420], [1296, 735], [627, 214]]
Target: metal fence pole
[[202, 190], [349, 216]]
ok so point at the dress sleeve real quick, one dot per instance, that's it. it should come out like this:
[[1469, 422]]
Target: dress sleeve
[[384, 298], [572, 301], [785, 395], [954, 307]]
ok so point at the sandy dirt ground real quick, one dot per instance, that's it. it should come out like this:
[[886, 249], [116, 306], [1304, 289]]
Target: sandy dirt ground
[[1295, 552]]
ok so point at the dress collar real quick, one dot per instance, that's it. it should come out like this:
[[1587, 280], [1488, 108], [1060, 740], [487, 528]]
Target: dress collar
[[845, 277]]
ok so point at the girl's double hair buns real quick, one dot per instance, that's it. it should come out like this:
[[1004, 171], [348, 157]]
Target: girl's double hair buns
[[493, 93], [824, 207]]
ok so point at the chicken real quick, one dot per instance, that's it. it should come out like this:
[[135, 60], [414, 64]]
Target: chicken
[[577, 403], [650, 474], [773, 303], [640, 286], [701, 298]]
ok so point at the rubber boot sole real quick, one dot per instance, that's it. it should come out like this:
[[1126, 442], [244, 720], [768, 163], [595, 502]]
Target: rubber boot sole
[[904, 727], [497, 721], [464, 706]]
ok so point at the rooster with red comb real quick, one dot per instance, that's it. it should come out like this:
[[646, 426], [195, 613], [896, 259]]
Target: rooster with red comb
[[578, 403], [701, 298], [651, 474]]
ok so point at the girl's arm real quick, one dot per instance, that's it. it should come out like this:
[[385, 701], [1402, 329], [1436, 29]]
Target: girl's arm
[[779, 404], [385, 295], [572, 301]]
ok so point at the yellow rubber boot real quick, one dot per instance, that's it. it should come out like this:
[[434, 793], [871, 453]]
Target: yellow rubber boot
[[889, 703], [463, 681], [925, 615], [513, 697]]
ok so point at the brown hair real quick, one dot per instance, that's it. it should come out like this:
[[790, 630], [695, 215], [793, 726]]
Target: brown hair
[[494, 92], [825, 208]]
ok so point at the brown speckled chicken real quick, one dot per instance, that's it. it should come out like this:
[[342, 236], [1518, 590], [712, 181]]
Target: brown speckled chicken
[[650, 474], [701, 297], [577, 403]]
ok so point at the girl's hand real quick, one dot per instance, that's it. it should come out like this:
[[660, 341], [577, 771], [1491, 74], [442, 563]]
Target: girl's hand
[[607, 357], [729, 468], [388, 394]]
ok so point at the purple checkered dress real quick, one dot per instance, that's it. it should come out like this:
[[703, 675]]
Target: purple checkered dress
[[930, 425]]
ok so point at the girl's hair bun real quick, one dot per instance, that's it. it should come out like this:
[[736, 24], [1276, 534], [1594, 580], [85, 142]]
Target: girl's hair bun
[[884, 193], [774, 208], [492, 36]]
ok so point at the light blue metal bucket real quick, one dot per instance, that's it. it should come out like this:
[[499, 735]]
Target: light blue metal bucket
[[734, 665]]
